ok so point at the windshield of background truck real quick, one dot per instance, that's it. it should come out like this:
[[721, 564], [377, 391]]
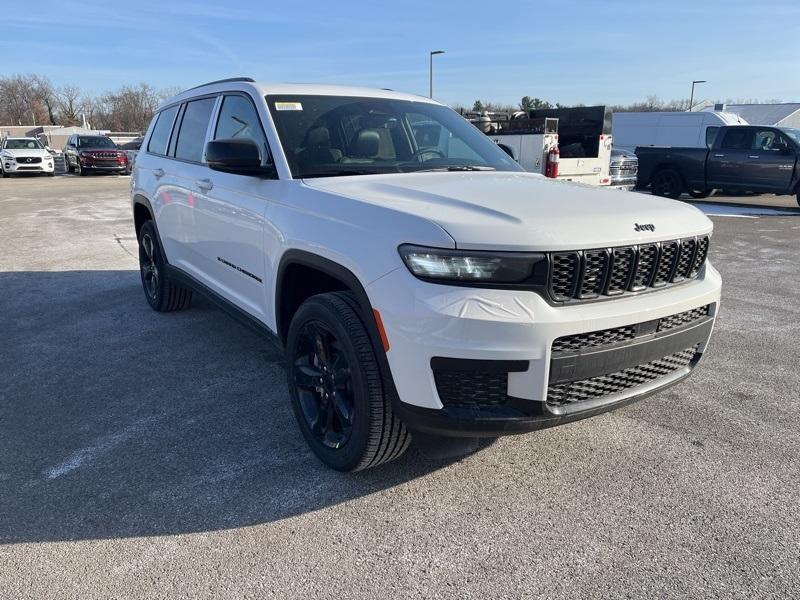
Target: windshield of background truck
[[23, 145], [794, 134], [95, 142], [340, 135]]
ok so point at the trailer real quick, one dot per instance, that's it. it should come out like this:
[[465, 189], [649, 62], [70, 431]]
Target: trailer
[[582, 135]]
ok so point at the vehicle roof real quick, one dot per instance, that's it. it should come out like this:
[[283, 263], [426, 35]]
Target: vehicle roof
[[290, 89], [21, 138]]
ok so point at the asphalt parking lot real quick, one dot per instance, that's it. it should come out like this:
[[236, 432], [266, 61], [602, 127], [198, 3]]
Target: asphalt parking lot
[[156, 455]]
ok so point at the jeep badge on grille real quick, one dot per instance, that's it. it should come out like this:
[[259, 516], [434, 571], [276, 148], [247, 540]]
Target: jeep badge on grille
[[644, 227]]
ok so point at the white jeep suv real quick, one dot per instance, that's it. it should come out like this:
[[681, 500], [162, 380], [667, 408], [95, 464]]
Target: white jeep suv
[[418, 280], [24, 155]]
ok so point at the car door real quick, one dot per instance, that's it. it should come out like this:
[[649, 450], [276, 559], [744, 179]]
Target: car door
[[233, 214], [186, 185], [69, 152], [771, 160], [728, 163]]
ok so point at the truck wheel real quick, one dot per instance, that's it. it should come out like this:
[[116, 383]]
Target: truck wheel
[[162, 293], [700, 194], [798, 198], [336, 388], [667, 183]]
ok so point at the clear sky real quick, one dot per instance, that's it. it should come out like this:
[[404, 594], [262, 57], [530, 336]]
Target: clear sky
[[579, 51]]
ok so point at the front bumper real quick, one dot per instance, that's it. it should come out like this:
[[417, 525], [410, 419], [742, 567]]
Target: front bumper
[[21, 167], [427, 322]]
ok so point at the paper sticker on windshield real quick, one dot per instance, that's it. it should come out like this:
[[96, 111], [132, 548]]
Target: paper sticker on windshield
[[288, 106]]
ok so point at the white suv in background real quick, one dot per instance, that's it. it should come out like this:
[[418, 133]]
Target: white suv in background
[[24, 155], [420, 283]]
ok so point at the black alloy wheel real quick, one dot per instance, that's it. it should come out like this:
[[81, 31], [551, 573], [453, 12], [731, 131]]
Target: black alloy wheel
[[162, 293], [667, 183], [338, 394], [322, 378], [148, 267]]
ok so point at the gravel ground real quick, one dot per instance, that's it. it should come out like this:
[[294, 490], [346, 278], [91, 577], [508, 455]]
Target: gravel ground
[[150, 455]]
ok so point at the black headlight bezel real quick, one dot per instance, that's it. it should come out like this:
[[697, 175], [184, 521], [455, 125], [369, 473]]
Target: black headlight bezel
[[535, 280]]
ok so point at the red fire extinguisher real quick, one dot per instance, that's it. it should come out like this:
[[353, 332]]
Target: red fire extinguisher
[[553, 158]]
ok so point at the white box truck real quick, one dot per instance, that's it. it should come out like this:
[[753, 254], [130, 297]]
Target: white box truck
[[680, 129]]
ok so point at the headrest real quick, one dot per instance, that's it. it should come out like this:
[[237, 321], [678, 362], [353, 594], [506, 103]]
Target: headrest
[[367, 143], [319, 136]]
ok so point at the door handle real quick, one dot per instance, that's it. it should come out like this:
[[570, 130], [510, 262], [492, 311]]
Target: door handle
[[719, 156], [204, 184], [753, 156], [158, 172]]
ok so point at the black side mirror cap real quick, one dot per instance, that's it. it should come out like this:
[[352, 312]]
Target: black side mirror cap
[[241, 157]]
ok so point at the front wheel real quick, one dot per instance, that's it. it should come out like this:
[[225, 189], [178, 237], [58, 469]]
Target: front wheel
[[798, 198], [336, 388], [667, 183]]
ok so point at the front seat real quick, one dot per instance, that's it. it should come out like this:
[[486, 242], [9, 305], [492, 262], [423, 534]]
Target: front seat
[[365, 147], [318, 151]]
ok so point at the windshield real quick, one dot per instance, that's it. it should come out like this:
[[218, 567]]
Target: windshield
[[324, 136], [792, 133], [24, 145], [95, 142]]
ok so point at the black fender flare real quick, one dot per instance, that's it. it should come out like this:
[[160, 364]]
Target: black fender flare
[[144, 201], [348, 278]]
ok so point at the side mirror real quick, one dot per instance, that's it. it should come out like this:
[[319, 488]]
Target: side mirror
[[241, 157]]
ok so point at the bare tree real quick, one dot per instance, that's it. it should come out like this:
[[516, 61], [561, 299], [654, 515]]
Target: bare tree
[[69, 104]]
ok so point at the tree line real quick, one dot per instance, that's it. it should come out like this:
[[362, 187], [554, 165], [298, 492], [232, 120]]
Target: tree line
[[33, 100], [649, 104]]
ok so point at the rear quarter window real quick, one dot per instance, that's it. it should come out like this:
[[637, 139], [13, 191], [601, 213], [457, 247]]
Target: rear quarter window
[[160, 136]]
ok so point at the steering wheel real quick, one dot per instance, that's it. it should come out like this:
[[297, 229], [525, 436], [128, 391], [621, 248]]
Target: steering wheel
[[418, 153]]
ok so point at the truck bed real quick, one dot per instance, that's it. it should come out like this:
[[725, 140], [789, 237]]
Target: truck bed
[[691, 163]]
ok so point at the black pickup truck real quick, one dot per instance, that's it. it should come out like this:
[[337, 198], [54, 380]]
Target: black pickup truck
[[742, 158]]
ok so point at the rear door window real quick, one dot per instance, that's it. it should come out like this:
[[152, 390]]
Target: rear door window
[[192, 133], [737, 139], [160, 136]]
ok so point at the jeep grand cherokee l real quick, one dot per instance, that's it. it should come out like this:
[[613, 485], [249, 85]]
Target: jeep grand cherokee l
[[416, 287]]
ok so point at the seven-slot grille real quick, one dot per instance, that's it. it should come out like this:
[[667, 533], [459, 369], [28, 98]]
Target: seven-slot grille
[[589, 274], [604, 385], [594, 339]]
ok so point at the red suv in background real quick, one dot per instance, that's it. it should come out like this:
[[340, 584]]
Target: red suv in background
[[84, 154]]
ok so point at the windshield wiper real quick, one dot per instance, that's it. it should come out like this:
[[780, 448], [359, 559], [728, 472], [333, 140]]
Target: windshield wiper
[[458, 168], [339, 173]]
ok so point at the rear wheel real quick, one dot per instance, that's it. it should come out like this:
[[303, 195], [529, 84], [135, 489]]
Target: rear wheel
[[667, 183], [162, 293], [798, 198], [337, 391]]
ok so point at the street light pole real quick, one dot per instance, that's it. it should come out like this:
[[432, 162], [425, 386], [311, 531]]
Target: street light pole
[[430, 71], [691, 98]]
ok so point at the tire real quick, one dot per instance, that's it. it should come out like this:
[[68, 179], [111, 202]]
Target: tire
[[79, 170], [700, 194], [798, 198], [338, 395], [162, 293], [53, 174], [67, 166], [667, 183]]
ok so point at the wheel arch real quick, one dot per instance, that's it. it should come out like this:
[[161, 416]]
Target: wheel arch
[[143, 212], [333, 277]]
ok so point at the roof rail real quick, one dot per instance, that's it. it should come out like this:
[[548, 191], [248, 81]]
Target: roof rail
[[229, 80]]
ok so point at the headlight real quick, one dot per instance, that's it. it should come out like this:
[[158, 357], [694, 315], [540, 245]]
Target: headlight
[[475, 267]]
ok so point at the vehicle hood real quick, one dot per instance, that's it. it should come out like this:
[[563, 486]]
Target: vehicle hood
[[523, 211], [25, 153]]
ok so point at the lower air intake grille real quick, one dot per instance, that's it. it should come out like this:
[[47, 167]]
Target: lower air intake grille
[[683, 318], [471, 388], [604, 385]]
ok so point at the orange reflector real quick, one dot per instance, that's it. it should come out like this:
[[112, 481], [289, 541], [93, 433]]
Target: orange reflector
[[381, 330]]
